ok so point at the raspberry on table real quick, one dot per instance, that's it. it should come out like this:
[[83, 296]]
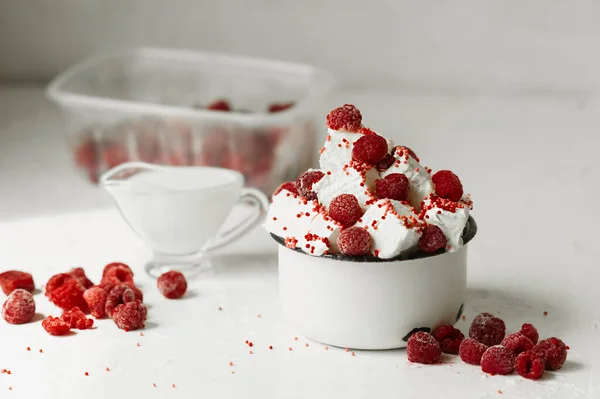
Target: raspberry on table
[[423, 348], [66, 292], [347, 118], [394, 186], [219, 105], [345, 209], [554, 352], [530, 365], [354, 241], [55, 326], [447, 185], [449, 338], [130, 316], [139, 295], [471, 351], [116, 273], [370, 149], [498, 360], [288, 185], [19, 308], [487, 329], [56, 281], [517, 342], [432, 239], [13, 279], [172, 284], [119, 295], [79, 274], [95, 298], [75, 318], [386, 162], [305, 182], [530, 332]]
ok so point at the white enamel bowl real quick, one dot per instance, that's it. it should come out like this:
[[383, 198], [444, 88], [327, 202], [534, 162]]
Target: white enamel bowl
[[369, 303]]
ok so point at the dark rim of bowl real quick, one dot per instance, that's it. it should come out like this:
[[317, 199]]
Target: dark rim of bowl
[[468, 233]]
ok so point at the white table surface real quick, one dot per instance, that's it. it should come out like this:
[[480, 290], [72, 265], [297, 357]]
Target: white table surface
[[529, 163]]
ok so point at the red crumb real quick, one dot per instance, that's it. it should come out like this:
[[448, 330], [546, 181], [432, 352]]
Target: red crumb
[[464, 317], [433, 238], [347, 118], [95, 297], [66, 292], [231, 363], [289, 186], [386, 162], [130, 316], [271, 347], [449, 338], [219, 105], [258, 315], [79, 274], [305, 181], [370, 149], [19, 308], [220, 308], [41, 351], [154, 385], [250, 344], [545, 313], [554, 352], [498, 360], [352, 353], [295, 338], [172, 285], [447, 185], [530, 332], [86, 373], [530, 366], [55, 326], [500, 391], [345, 209], [28, 349], [279, 107], [470, 351], [14, 279], [290, 348], [517, 342], [75, 318], [346, 349], [250, 352], [138, 345], [394, 186], [326, 348], [487, 329], [108, 369], [118, 295], [354, 241], [306, 344], [141, 334], [173, 386], [423, 348]]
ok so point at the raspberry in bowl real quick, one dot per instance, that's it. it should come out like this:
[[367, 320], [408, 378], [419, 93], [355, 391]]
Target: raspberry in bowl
[[373, 246]]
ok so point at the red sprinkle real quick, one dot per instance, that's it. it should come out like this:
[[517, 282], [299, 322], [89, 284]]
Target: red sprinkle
[[271, 347], [86, 373]]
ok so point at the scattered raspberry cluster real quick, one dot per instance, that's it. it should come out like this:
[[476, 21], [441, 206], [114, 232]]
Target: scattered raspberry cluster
[[488, 346]]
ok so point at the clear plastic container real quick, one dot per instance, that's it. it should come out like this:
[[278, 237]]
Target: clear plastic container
[[154, 105]]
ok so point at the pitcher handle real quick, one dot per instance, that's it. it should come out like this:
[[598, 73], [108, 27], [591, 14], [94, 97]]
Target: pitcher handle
[[259, 202]]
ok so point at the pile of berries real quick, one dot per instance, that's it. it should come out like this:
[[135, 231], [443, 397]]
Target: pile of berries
[[488, 346]]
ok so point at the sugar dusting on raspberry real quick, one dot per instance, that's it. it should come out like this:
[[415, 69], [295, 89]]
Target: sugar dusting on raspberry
[[487, 329], [345, 209], [13, 279], [55, 326], [118, 295], [305, 182], [172, 284], [447, 185], [449, 338], [530, 366], [130, 316], [354, 241], [370, 149], [66, 292], [471, 351], [79, 274], [517, 342], [530, 332], [393, 186], [423, 348], [19, 308], [346, 118], [95, 297], [498, 360], [433, 238], [554, 352], [75, 318]]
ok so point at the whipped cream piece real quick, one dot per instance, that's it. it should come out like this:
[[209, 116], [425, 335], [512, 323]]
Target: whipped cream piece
[[451, 217], [393, 226], [353, 178], [418, 177]]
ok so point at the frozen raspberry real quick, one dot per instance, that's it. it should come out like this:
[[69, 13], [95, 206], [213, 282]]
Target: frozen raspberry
[[75, 318], [130, 316], [219, 105], [449, 338], [13, 279], [498, 360], [433, 238], [118, 265], [470, 351], [530, 365], [487, 329], [345, 209], [370, 149], [394, 186], [530, 332], [119, 295], [19, 308], [386, 162], [354, 241], [423, 348], [517, 342], [56, 281], [172, 284], [346, 118], [139, 295], [95, 297], [288, 185], [79, 275], [55, 326], [305, 182], [117, 274], [447, 185], [66, 292], [554, 352], [279, 107]]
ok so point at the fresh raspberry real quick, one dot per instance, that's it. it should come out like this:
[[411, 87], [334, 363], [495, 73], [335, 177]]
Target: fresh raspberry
[[386, 162], [433, 238], [13, 279], [346, 118], [119, 295], [66, 292], [120, 266], [470, 351], [75, 318], [55, 326], [487, 329], [305, 182], [172, 284], [530, 332], [279, 107], [130, 316], [554, 352], [449, 338], [19, 308], [95, 297], [79, 275], [447, 185], [139, 295], [370, 149], [219, 105], [354, 241], [530, 365], [498, 360], [394, 186], [288, 185], [423, 348], [517, 342], [345, 209]]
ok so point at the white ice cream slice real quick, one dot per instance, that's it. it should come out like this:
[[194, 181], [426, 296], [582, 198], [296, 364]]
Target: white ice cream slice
[[355, 178], [321, 236], [418, 177], [451, 217], [393, 226]]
